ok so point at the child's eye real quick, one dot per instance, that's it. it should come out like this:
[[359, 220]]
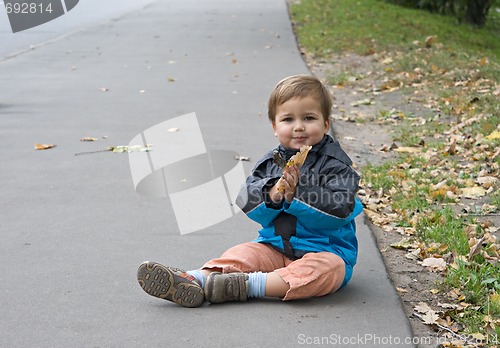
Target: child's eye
[[310, 118], [287, 119]]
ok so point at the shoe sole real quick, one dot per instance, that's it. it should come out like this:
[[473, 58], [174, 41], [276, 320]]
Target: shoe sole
[[160, 281]]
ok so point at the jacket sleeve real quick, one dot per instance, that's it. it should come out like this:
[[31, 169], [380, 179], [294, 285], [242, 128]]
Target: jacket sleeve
[[327, 199], [253, 198]]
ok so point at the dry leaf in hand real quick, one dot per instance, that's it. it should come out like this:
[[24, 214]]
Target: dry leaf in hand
[[296, 160], [44, 146]]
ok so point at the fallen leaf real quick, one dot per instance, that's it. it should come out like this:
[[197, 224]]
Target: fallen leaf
[[430, 40], [494, 135], [402, 290], [483, 61], [423, 307], [408, 149], [476, 248], [403, 244], [88, 139], [242, 158], [430, 318], [173, 130], [487, 181], [388, 60], [452, 149], [367, 101], [478, 336], [413, 255], [434, 263], [104, 89], [473, 192], [125, 148], [170, 79], [44, 146]]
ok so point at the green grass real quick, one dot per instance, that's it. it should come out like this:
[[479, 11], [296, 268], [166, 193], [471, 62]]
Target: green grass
[[367, 26], [443, 227]]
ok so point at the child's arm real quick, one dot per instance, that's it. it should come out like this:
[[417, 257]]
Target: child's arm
[[254, 198], [331, 194]]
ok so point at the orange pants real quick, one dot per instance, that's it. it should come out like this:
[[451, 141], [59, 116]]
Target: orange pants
[[315, 274]]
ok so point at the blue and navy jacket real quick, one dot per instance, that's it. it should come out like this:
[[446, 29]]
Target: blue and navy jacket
[[321, 215]]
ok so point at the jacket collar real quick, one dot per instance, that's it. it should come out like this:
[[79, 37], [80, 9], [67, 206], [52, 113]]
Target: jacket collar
[[287, 153], [327, 146]]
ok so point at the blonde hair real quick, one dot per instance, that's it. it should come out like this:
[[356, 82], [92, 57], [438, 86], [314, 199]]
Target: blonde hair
[[300, 86]]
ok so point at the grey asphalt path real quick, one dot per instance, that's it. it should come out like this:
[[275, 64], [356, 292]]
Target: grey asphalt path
[[72, 229]]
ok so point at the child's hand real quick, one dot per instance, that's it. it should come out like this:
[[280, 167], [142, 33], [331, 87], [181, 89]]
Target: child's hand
[[287, 184]]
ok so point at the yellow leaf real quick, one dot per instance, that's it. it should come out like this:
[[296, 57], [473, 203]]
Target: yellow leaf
[[408, 149], [495, 299], [44, 146], [478, 336], [483, 61], [494, 135]]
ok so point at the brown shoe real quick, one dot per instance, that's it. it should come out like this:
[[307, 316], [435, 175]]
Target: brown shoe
[[170, 284], [225, 287]]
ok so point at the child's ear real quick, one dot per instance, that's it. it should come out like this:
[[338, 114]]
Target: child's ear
[[327, 125], [274, 126]]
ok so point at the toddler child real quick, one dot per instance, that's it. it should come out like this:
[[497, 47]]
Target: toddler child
[[307, 246]]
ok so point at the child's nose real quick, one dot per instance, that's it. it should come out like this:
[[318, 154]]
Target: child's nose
[[299, 126]]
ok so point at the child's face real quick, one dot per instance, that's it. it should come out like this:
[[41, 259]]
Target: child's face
[[300, 121]]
